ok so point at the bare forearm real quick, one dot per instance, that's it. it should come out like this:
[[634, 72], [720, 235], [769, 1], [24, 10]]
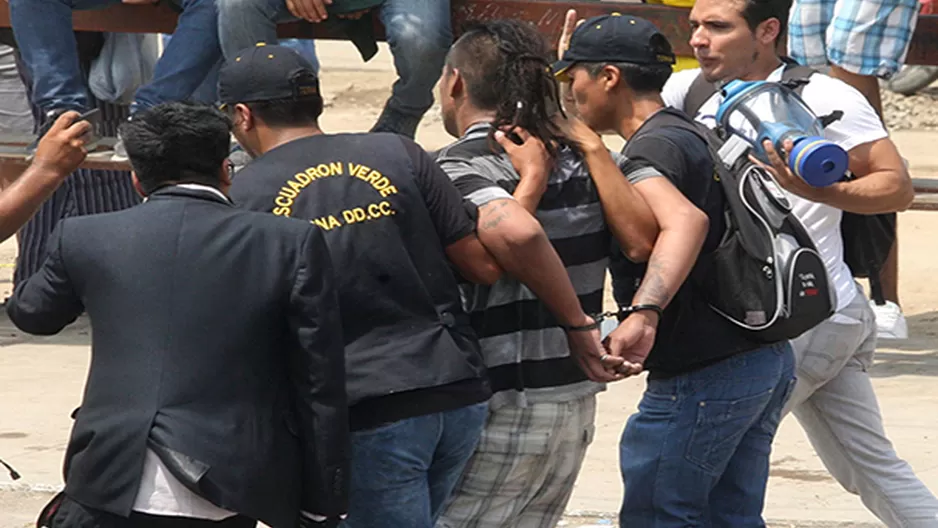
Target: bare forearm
[[547, 277], [683, 230], [670, 263], [528, 193], [19, 202], [630, 219], [523, 250], [872, 194]]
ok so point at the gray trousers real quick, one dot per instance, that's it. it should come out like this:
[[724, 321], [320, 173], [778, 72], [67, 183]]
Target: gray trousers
[[835, 404]]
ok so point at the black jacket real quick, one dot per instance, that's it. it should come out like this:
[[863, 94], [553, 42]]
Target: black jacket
[[215, 341]]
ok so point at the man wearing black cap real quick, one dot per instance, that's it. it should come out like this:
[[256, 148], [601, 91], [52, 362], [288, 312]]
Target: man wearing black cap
[[699, 444], [394, 224]]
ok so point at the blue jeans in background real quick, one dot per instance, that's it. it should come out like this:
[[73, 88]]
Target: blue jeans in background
[[207, 92], [403, 472], [418, 32], [43, 30], [697, 451]]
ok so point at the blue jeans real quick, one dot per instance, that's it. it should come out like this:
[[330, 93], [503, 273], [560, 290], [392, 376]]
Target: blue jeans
[[207, 92], [418, 32], [403, 472], [43, 30], [697, 451]]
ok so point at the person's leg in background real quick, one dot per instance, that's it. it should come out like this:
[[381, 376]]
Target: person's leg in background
[[43, 30], [306, 48], [84, 192], [15, 113], [837, 407], [419, 34], [207, 92], [188, 59], [244, 23]]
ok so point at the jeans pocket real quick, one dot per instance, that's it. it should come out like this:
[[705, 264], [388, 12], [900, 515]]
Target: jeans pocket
[[720, 426], [658, 402]]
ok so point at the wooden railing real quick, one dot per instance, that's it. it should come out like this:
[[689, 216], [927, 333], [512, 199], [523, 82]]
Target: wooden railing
[[547, 15]]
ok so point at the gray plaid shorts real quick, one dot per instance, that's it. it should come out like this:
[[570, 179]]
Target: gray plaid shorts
[[522, 473]]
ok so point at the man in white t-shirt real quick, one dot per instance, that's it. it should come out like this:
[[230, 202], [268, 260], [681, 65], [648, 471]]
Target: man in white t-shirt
[[834, 399]]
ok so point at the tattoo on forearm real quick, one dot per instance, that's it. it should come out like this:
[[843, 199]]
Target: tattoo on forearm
[[492, 215], [653, 289]]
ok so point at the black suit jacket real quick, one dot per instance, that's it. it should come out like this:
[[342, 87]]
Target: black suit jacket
[[216, 342]]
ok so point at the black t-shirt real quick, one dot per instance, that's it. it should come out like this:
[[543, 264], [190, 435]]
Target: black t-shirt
[[387, 211], [690, 335]]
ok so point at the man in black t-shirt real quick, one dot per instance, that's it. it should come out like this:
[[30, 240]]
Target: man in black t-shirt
[[394, 223], [699, 445]]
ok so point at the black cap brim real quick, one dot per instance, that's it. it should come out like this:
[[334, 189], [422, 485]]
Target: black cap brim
[[560, 69]]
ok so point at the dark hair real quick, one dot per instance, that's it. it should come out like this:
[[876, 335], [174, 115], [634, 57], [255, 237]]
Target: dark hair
[[641, 78], [291, 112], [756, 12], [177, 142], [504, 63]]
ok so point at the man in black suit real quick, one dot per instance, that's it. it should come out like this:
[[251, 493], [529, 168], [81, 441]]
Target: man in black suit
[[216, 392]]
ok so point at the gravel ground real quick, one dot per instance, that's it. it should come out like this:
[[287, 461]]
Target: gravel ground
[[919, 111]]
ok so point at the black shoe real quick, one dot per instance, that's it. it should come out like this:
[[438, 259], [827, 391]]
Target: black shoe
[[397, 123], [50, 117]]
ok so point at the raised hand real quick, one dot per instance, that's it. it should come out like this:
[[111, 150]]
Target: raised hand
[[62, 149], [309, 10]]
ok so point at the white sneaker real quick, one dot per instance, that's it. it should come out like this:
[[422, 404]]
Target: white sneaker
[[890, 323]]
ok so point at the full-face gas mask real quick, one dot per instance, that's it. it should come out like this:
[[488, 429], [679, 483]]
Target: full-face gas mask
[[760, 110]]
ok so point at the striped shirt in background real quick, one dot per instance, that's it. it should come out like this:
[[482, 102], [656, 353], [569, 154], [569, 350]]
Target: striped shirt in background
[[525, 350]]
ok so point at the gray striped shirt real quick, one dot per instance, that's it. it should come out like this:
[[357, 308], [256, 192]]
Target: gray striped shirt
[[525, 349]]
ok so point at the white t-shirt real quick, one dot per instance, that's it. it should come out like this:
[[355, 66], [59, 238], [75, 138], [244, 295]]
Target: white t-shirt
[[161, 494], [859, 125]]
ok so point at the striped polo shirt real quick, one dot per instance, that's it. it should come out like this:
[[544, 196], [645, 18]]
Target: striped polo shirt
[[525, 349]]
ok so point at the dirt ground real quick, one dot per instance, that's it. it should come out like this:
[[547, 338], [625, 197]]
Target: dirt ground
[[41, 379]]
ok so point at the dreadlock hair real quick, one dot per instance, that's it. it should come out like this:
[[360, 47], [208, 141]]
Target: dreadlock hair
[[505, 65]]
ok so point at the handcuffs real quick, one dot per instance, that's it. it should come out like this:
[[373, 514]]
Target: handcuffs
[[621, 313]]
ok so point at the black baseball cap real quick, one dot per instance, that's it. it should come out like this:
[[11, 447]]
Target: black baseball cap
[[616, 38], [266, 72]]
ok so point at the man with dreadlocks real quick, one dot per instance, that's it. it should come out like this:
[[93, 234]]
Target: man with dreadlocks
[[497, 85], [397, 228]]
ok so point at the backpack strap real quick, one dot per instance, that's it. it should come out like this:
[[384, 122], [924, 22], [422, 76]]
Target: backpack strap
[[796, 72], [701, 91]]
